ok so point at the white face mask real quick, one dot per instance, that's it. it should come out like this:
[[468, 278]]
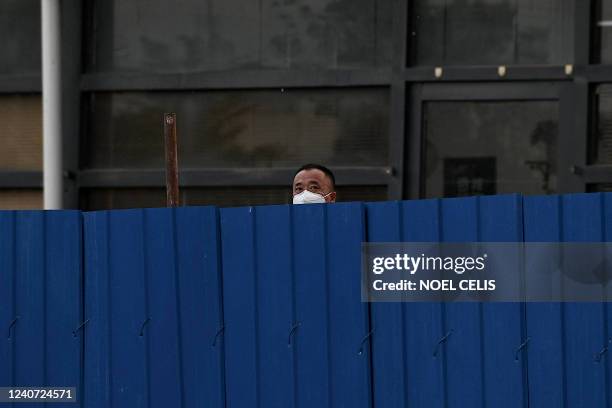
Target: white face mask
[[308, 197]]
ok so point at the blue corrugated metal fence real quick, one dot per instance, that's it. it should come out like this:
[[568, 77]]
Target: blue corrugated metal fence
[[261, 307]]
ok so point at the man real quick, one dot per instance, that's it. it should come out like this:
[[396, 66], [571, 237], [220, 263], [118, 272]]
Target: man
[[313, 183]]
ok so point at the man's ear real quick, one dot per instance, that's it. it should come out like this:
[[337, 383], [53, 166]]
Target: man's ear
[[331, 198]]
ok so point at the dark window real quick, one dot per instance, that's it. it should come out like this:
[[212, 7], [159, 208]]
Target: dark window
[[110, 198], [468, 176], [604, 28], [20, 34], [275, 128], [490, 32], [20, 132], [474, 148], [21, 199], [599, 188], [145, 36], [603, 129]]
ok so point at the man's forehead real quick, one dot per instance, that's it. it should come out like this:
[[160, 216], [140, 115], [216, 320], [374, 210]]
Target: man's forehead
[[306, 176]]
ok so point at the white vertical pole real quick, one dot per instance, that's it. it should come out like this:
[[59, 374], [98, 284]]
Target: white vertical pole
[[52, 104]]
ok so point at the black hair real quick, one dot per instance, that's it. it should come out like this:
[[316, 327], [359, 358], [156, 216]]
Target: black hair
[[325, 170]]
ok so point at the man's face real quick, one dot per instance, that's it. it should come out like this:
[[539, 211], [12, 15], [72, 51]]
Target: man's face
[[315, 181]]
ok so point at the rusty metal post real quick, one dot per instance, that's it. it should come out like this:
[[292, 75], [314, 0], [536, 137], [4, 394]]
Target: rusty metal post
[[172, 173]]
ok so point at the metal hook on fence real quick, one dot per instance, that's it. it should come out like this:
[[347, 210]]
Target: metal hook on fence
[[597, 357], [293, 329], [11, 326], [365, 338], [75, 331], [217, 334], [521, 347], [442, 340], [142, 327]]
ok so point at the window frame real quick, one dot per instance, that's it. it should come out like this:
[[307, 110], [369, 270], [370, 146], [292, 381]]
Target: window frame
[[390, 77], [575, 95], [568, 155]]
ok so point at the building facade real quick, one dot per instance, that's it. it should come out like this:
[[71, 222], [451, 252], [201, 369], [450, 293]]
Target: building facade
[[402, 99]]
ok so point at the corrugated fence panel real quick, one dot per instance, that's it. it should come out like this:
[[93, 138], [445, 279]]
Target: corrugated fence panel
[[64, 301], [464, 347], [163, 332], [582, 221], [275, 309], [503, 323], [312, 306], [97, 369], [607, 231], [40, 306], [7, 296], [140, 303], [240, 307], [127, 305], [30, 328], [293, 315], [348, 316], [482, 369], [406, 371], [326, 293], [566, 337], [424, 322], [546, 362], [115, 304], [261, 307], [466, 350], [200, 306], [388, 352], [257, 267]]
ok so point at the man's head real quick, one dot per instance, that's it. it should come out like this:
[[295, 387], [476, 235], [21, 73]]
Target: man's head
[[313, 183]]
